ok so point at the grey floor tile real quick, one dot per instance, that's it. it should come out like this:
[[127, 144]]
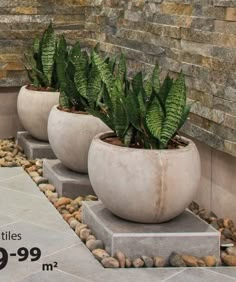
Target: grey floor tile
[[200, 275], [12, 201], [45, 215], [22, 183], [77, 261], [137, 275], [4, 220], [54, 276], [16, 270], [88, 267], [48, 241], [6, 172], [229, 271]]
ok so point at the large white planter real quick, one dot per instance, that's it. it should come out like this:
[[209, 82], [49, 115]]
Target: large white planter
[[148, 186], [33, 109], [70, 136]]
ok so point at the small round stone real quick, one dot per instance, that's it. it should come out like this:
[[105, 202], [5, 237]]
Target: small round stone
[[92, 237], [94, 244], [39, 180], [33, 174], [62, 201], [148, 261], [121, 258], [176, 260], [79, 227], [159, 261], [210, 261], [84, 233], [128, 263], [192, 261], [137, 263], [73, 223], [45, 186], [229, 260], [100, 254], [110, 262]]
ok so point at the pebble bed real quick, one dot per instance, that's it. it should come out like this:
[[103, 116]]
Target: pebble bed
[[12, 155]]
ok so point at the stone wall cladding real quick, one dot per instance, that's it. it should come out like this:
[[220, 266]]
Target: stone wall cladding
[[197, 36]]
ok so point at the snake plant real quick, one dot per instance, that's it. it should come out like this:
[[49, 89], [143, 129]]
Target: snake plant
[[143, 112], [41, 67], [81, 86]]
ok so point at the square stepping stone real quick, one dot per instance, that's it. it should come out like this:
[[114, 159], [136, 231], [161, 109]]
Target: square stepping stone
[[186, 234], [67, 182], [33, 148]]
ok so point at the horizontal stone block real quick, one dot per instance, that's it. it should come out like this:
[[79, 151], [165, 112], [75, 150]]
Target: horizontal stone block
[[68, 183], [184, 234], [34, 149]]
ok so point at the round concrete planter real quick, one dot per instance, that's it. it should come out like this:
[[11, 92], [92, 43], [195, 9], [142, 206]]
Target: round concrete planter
[[147, 186], [70, 136], [33, 109]]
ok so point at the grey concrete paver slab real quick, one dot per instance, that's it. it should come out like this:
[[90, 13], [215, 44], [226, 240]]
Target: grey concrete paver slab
[[7, 172], [5, 220], [12, 201], [47, 240], [15, 270], [80, 262], [229, 271], [22, 183], [200, 275], [55, 276], [45, 216]]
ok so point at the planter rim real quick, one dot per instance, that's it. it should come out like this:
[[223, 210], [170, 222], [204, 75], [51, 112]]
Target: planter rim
[[75, 114], [38, 91], [98, 138]]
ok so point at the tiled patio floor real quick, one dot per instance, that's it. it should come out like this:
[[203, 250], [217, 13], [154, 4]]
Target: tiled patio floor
[[24, 209]]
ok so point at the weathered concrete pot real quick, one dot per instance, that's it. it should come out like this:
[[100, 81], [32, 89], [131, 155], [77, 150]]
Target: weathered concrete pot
[[148, 186], [33, 109], [70, 136]]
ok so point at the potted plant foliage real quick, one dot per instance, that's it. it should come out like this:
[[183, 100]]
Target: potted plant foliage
[[70, 128], [36, 99], [143, 171]]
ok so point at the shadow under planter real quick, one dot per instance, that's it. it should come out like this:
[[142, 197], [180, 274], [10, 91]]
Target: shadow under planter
[[186, 234], [33, 148], [67, 182]]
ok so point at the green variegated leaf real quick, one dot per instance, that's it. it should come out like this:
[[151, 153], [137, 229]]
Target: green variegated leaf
[[49, 42], [81, 75], [36, 45], [41, 77], [155, 79], [75, 53], [175, 105], [148, 89], [137, 83], [102, 117], [185, 115], [94, 86], [112, 63], [104, 71], [128, 136], [155, 118], [64, 100], [120, 119], [132, 110], [142, 104], [165, 89], [122, 69]]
